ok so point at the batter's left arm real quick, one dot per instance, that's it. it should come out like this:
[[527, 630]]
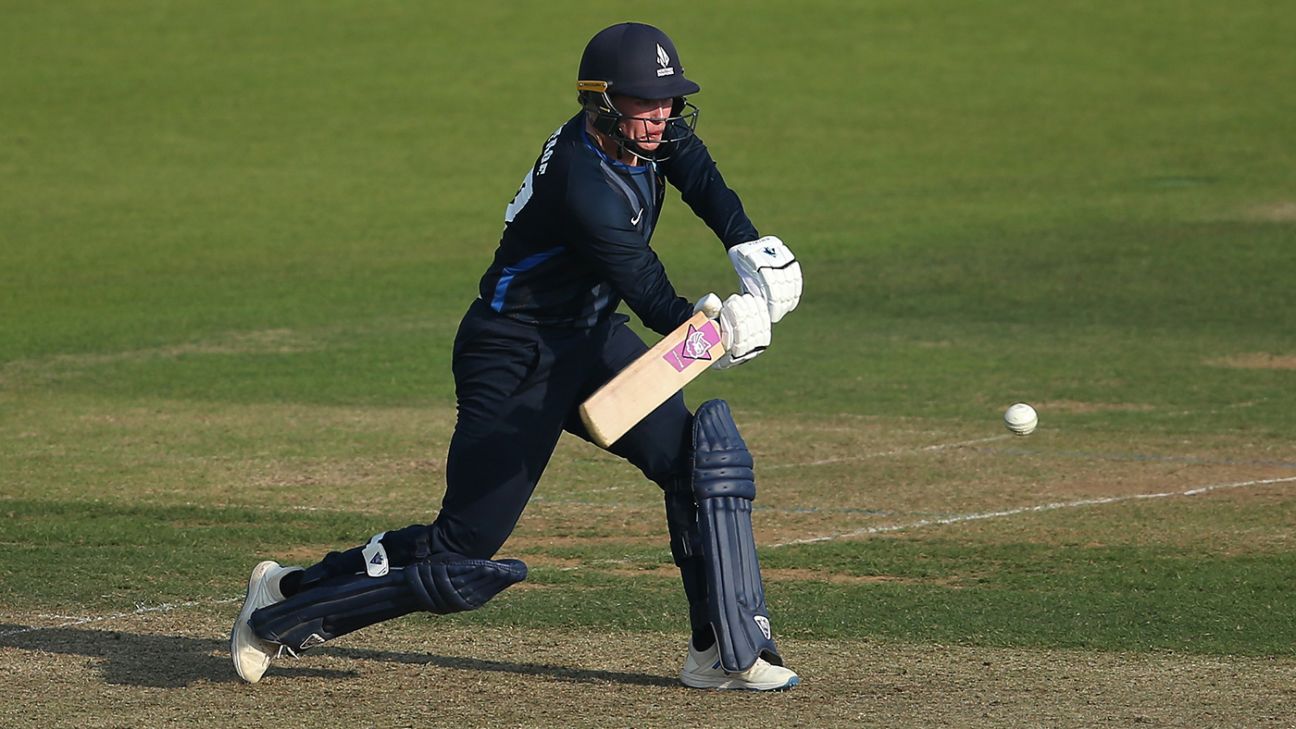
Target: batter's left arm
[[691, 170], [766, 267]]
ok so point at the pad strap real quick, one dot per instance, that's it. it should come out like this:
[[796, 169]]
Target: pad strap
[[375, 556], [686, 548]]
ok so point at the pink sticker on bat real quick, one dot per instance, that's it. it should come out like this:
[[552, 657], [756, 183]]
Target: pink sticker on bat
[[696, 346]]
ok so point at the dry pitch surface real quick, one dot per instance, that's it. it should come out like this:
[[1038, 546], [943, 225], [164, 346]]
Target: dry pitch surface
[[164, 669]]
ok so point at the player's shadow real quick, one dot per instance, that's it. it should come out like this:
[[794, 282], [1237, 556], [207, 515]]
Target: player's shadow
[[134, 659], [546, 670], [170, 661]]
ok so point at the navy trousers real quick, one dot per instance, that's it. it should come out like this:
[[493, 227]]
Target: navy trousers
[[518, 388]]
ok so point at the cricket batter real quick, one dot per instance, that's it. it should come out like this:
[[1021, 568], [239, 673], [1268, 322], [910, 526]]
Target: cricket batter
[[541, 337]]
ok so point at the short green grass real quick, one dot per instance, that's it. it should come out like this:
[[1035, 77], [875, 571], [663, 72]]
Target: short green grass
[[236, 239], [1126, 597]]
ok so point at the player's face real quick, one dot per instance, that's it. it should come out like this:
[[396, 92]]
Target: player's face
[[649, 119]]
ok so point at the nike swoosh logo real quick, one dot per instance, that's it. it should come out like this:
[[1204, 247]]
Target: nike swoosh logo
[[635, 219]]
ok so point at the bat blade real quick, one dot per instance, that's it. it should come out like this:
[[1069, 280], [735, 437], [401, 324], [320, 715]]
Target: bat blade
[[651, 379]]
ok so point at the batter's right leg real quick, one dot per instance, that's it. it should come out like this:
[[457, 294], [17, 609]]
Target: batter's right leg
[[511, 411], [447, 584]]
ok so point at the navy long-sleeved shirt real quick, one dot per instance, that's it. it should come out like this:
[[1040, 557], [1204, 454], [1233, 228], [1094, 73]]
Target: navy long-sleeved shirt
[[576, 235]]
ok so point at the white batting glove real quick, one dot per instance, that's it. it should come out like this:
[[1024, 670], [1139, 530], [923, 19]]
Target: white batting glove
[[744, 330], [768, 269]]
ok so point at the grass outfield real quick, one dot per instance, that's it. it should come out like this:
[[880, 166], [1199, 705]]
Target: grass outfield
[[236, 239]]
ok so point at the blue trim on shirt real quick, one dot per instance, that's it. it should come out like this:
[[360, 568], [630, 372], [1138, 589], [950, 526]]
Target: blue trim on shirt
[[522, 266], [632, 169]]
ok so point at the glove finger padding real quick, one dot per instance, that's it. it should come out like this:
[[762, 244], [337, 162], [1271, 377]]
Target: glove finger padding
[[709, 305], [744, 329], [768, 269]]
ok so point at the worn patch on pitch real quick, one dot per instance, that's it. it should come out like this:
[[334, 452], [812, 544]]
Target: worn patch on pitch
[[259, 342], [1277, 212], [1255, 361]]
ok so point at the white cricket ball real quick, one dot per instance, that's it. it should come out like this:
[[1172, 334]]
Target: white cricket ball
[[1021, 419]]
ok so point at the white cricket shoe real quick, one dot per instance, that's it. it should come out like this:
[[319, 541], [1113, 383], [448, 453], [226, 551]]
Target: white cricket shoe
[[252, 655], [702, 669]]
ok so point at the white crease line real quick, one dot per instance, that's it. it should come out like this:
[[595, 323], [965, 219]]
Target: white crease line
[[141, 610], [1027, 509], [885, 454]]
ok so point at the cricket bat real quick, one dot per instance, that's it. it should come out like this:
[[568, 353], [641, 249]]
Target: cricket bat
[[650, 380]]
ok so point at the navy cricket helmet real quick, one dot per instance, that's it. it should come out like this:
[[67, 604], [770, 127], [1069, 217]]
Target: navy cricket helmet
[[634, 59]]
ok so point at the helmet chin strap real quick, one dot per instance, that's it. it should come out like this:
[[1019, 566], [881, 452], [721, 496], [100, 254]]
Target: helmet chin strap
[[632, 148], [624, 149]]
